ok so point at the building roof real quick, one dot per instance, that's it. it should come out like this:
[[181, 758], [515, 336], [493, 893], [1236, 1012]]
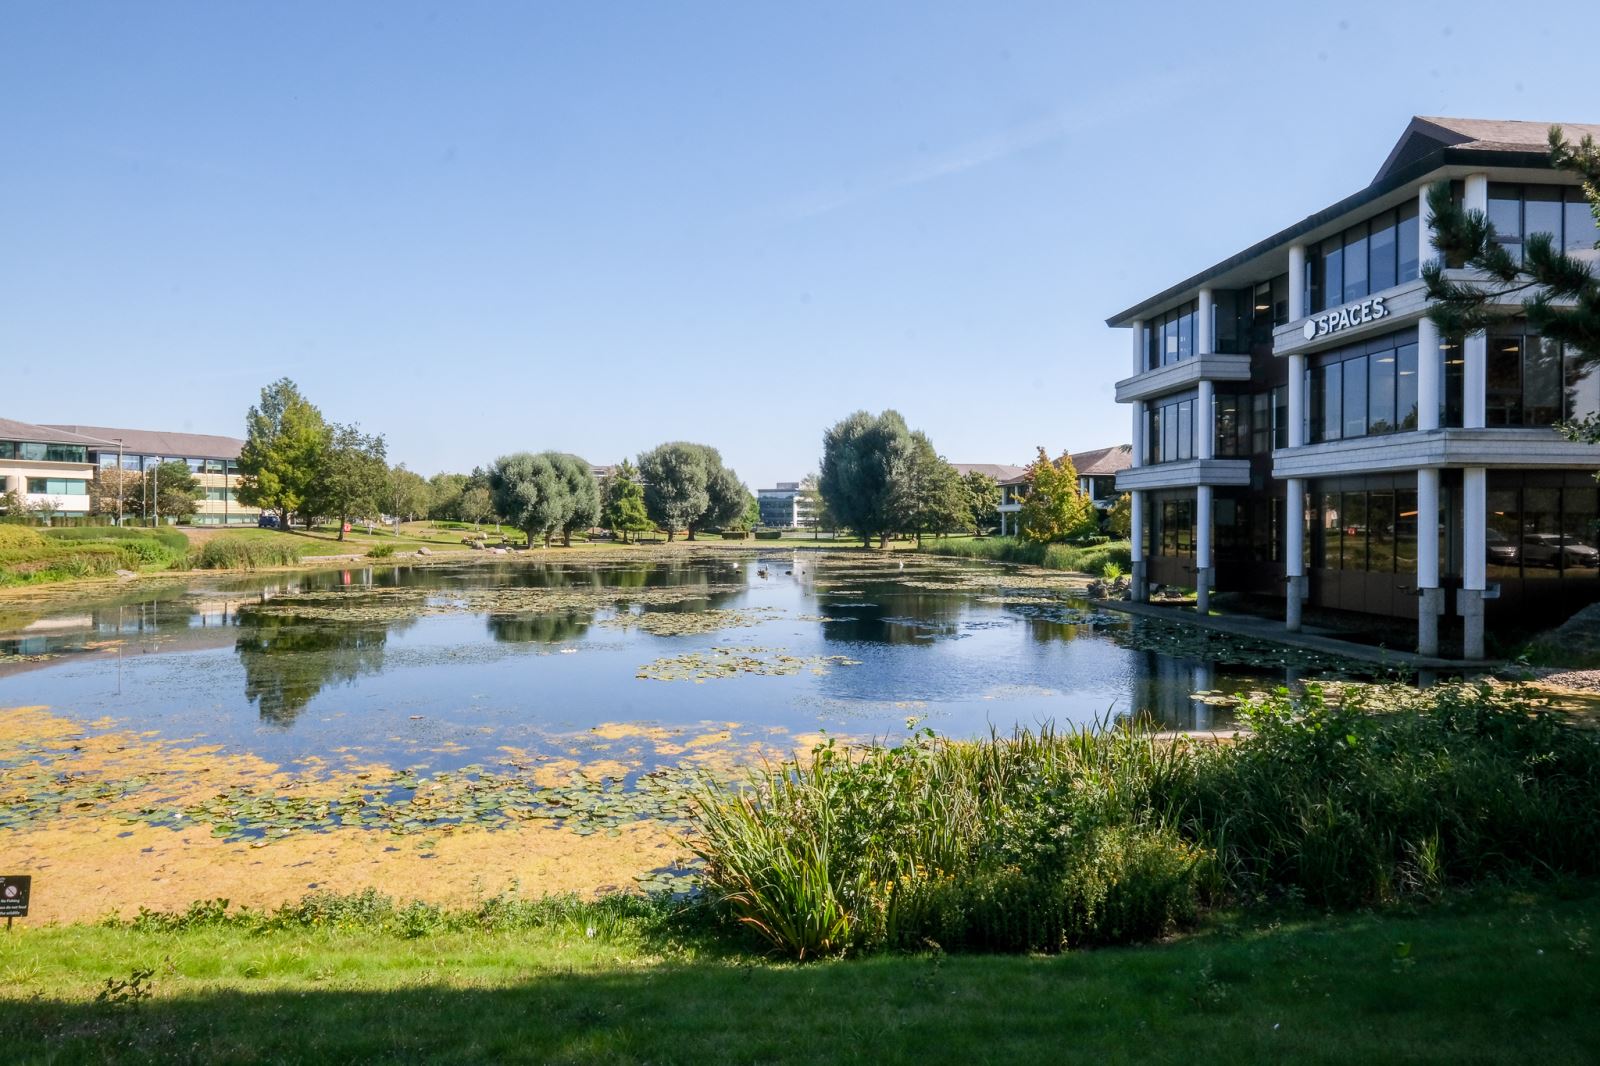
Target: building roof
[[1426, 145], [10, 429], [999, 471], [1102, 461], [166, 444]]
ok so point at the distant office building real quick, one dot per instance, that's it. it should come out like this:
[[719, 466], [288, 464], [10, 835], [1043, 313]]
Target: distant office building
[[785, 507], [55, 465]]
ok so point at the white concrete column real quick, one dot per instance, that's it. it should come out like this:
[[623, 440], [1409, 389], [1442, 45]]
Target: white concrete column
[[1206, 331], [1474, 575], [1294, 548], [1476, 194], [1140, 590], [1202, 548], [1429, 596], [1429, 379], [1298, 304], [1205, 416], [1297, 401], [1138, 432], [1138, 346], [1474, 364]]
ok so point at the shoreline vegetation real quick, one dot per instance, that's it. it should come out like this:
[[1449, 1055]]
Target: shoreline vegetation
[[1325, 887]]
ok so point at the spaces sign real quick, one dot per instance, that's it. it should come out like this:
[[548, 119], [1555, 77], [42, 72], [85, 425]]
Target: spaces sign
[[14, 895], [1345, 317]]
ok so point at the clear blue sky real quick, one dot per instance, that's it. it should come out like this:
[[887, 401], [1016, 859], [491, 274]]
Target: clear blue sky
[[480, 227]]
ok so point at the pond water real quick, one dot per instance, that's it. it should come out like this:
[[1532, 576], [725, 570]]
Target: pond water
[[447, 665]]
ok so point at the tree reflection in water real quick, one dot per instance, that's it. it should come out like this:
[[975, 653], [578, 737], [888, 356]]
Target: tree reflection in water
[[288, 661], [549, 627]]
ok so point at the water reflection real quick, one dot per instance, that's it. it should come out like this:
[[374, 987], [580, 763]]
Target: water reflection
[[553, 627], [287, 662]]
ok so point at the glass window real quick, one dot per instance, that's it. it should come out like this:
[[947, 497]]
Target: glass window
[[1381, 253], [1541, 381], [1405, 403], [1226, 418], [1332, 529], [1583, 390], [1405, 532], [1332, 272], [1541, 532], [1503, 382], [1505, 213], [1450, 404], [1381, 392], [1578, 528], [1541, 211], [1353, 521], [1355, 397], [1280, 417], [1332, 378], [1186, 430], [1355, 262], [1407, 238], [1380, 532], [1580, 231]]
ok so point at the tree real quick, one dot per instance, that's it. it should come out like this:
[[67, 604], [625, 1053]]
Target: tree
[[865, 461], [112, 490], [1055, 508], [409, 495], [726, 496], [530, 491], [170, 490], [622, 502], [352, 477], [752, 512], [444, 497], [1119, 520], [675, 492], [817, 508], [933, 496], [582, 496], [12, 503], [983, 498], [285, 436], [1559, 293], [476, 505]]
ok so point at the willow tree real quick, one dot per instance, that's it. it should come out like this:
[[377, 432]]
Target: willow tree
[[530, 492], [866, 461]]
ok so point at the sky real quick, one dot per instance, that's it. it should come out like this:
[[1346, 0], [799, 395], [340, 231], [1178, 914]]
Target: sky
[[485, 227]]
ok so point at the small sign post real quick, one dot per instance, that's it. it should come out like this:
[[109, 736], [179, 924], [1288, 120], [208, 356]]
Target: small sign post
[[14, 889]]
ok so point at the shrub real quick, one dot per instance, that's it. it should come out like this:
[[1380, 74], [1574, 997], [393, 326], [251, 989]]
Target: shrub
[[381, 551], [769, 534], [248, 553], [174, 539], [1111, 572], [1087, 559], [13, 538]]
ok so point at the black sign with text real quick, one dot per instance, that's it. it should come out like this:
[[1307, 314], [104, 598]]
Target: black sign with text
[[14, 895]]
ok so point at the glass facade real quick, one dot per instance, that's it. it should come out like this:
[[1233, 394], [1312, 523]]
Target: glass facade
[[43, 453], [1367, 524], [1251, 423], [58, 486], [1519, 211], [1371, 388], [1169, 429], [1530, 381], [1172, 337], [1542, 525], [1368, 257]]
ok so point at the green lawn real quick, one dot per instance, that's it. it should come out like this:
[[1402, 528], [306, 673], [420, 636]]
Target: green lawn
[[1507, 977]]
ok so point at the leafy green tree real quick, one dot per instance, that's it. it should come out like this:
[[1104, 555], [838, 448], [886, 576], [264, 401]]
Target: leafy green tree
[[285, 436], [983, 499], [171, 489], [12, 503], [582, 496], [815, 505], [934, 496], [675, 486], [865, 461], [530, 491], [726, 496], [352, 477], [752, 512], [622, 507], [409, 494], [476, 506], [1119, 520], [444, 497], [1055, 508]]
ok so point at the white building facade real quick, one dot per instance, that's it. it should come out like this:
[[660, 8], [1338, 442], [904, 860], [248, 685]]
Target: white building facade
[[1302, 430]]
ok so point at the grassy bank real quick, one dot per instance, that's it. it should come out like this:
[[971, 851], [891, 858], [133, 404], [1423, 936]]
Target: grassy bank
[[1090, 559], [30, 556], [1503, 977]]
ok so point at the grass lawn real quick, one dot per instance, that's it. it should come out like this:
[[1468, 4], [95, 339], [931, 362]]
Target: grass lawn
[[1504, 977]]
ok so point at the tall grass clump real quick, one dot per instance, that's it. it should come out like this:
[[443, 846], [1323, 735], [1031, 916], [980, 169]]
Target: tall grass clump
[[37, 556], [1042, 841], [1088, 559], [247, 553]]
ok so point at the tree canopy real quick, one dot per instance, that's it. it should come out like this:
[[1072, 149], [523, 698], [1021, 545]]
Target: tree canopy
[[1055, 508], [285, 437], [983, 499], [687, 487], [622, 502], [866, 459], [351, 478], [933, 497], [544, 494]]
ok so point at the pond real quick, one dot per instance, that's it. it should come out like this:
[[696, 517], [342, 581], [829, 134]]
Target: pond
[[447, 665]]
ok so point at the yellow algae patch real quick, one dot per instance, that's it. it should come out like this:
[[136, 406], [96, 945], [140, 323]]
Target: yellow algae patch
[[626, 730], [84, 871]]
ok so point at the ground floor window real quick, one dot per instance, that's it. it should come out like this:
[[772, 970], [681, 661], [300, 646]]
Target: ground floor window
[[1542, 525], [1364, 524], [1170, 527], [58, 486]]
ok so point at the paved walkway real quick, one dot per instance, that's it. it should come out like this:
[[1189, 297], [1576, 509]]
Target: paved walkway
[[1309, 638]]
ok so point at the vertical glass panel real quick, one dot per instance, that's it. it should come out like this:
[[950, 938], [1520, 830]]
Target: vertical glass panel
[[1542, 549], [1332, 530], [1405, 531], [1542, 386], [1355, 397], [1381, 253], [1381, 392], [1541, 211], [1355, 262], [1405, 399], [1450, 404], [1583, 389], [1186, 430], [1380, 532], [1578, 524], [1503, 531], [1169, 341], [1152, 435], [1332, 378], [1353, 517], [1280, 299], [1169, 435], [1505, 211], [1407, 238], [1316, 281], [1332, 272], [1280, 417], [1503, 382], [1579, 228], [1225, 416]]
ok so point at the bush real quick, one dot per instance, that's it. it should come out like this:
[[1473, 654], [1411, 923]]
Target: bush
[[1088, 559], [381, 551], [769, 534], [34, 556], [1037, 842], [172, 538], [248, 553], [16, 537]]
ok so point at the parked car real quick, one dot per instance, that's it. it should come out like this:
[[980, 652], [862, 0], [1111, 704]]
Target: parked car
[[1500, 550], [267, 521], [1553, 549]]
